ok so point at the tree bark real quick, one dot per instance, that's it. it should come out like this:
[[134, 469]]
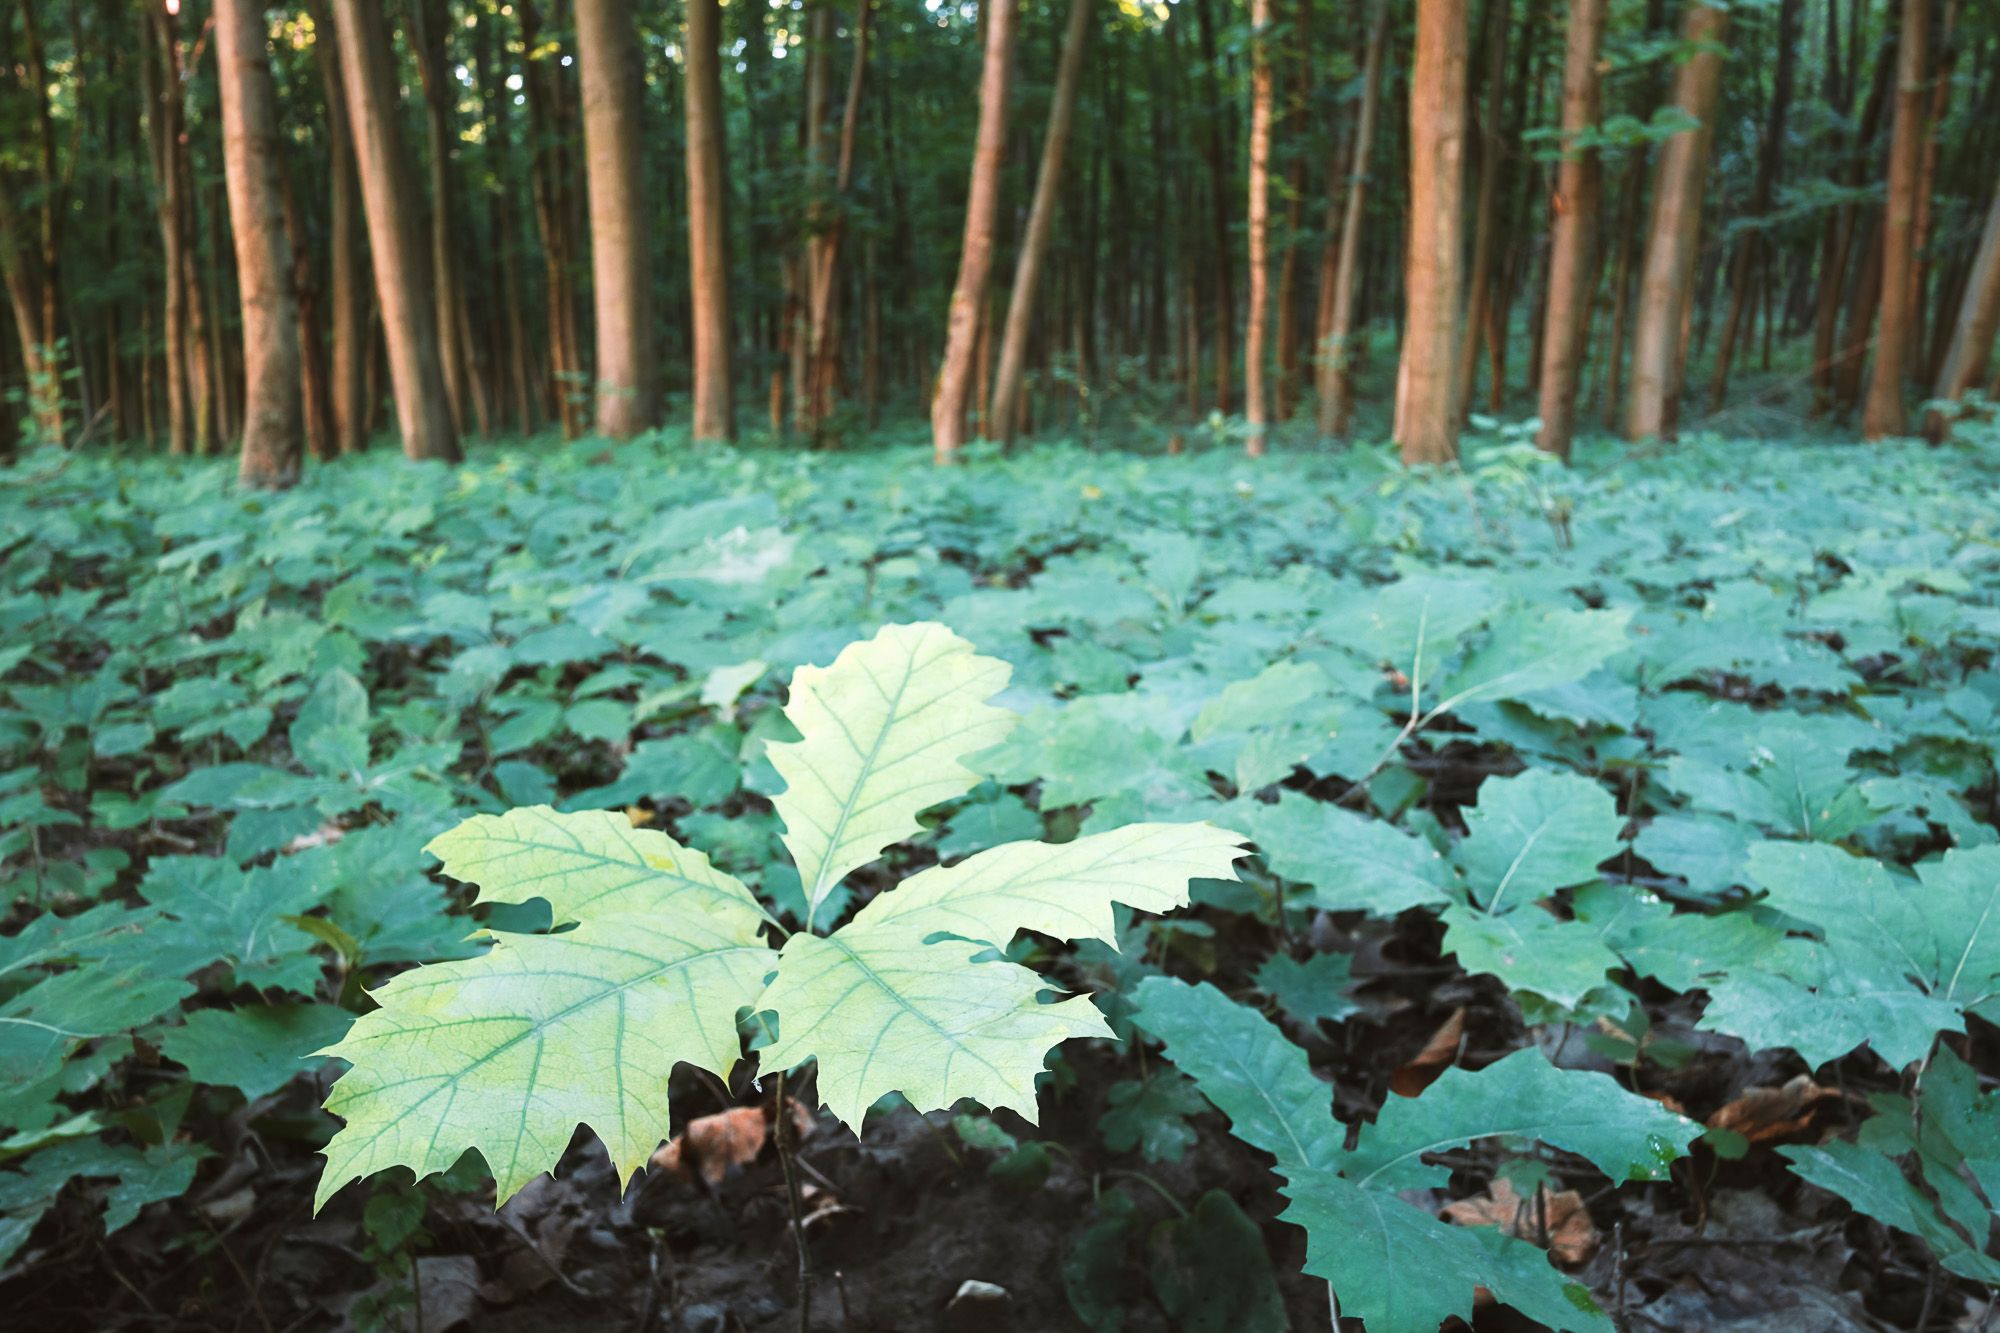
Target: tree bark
[[273, 423], [347, 280], [1923, 368], [1479, 290], [1426, 419], [607, 58], [30, 247], [1218, 172], [429, 39], [708, 228], [1256, 405], [1972, 336], [826, 241], [409, 319], [1041, 221], [160, 81], [1838, 245], [1572, 258], [322, 436], [1335, 384], [1297, 100], [1884, 415], [968, 296], [1666, 279], [1752, 250]]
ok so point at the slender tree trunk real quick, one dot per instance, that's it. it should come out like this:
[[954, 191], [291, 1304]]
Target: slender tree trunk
[[828, 239], [1971, 345], [1852, 359], [423, 408], [30, 246], [968, 296], [1884, 415], [1256, 406], [1426, 419], [1751, 251], [348, 279], [1572, 258], [1218, 172], [1041, 221], [429, 38], [273, 425], [708, 227], [160, 82], [1296, 103], [1479, 291], [607, 53], [322, 436], [1335, 386], [1666, 282], [1838, 246], [1947, 64]]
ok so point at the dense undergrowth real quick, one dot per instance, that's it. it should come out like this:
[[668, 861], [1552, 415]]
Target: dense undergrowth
[[1690, 754]]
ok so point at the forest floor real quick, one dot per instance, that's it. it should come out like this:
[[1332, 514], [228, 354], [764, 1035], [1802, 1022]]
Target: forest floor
[[919, 1223]]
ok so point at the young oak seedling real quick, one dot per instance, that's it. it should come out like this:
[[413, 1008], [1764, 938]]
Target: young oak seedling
[[510, 1051]]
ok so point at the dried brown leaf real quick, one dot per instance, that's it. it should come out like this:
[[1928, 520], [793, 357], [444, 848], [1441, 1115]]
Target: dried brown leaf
[[1438, 1055], [1763, 1114], [1572, 1238]]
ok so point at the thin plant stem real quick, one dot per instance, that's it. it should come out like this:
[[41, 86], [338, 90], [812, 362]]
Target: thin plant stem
[[796, 1199]]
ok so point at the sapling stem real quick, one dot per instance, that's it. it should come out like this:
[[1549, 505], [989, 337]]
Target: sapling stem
[[793, 1197]]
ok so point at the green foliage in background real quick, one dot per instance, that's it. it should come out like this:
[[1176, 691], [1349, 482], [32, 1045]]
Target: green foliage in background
[[1735, 715]]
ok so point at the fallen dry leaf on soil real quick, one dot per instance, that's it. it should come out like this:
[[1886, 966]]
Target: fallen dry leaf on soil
[[709, 1146], [1572, 1239], [1436, 1057], [1763, 1114]]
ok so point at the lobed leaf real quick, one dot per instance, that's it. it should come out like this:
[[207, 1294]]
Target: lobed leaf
[[883, 732]]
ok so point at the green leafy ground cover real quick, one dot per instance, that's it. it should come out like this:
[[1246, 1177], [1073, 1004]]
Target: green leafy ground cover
[[1671, 763]]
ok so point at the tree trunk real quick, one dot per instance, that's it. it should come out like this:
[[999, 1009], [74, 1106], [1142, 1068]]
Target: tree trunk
[[160, 80], [825, 268], [30, 262], [1041, 221], [1947, 63], [423, 408], [1297, 101], [1256, 407], [1218, 171], [1753, 248], [348, 278], [1572, 258], [1335, 384], [708, 226], [429, 39], [553, 187], [1426, 419], [968, 296], [607, 53], [1971, 344], [1666, 279], [1479, 291], [1838, 245], [322, 435], [1852, 359], [273, 424], [1884, 416]]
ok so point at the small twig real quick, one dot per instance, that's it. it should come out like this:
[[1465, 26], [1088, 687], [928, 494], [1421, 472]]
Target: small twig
[[796, 1199], [124, 1281], [256, 1301], [1619, 1320], [1158, 1188], [840, 1285], [1930, 1299], [555, 1269]]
